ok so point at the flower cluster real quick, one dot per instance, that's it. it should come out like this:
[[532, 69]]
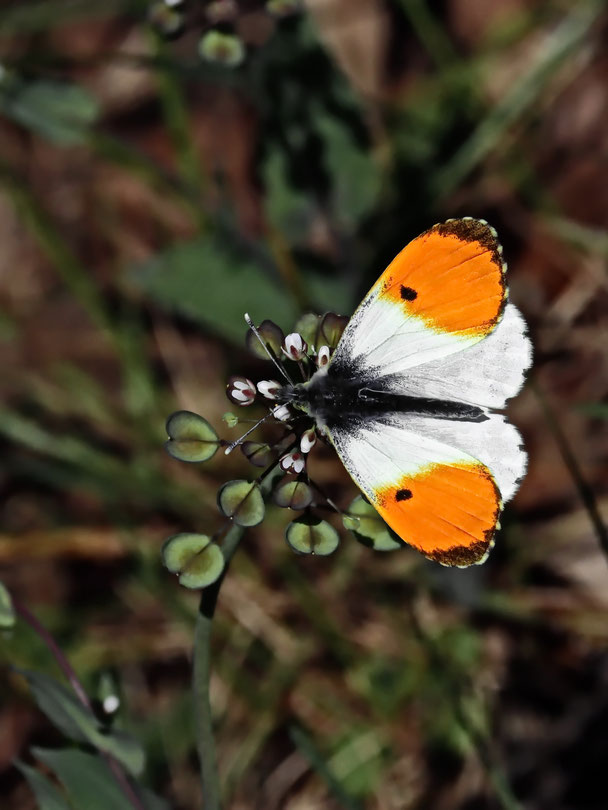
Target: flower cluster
[[284, 479], [216, 21]]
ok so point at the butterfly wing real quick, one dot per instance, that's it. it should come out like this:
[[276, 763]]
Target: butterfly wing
[[440, 499], [436, 325], [444, 292]]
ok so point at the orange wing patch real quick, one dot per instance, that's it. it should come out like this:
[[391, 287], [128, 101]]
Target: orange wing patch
[[451, 276], [448, 512]]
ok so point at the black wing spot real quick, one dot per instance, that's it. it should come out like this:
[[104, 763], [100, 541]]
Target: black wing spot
[[408, 294], [403, 494]]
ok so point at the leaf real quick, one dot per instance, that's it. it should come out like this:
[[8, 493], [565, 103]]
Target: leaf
[[215, 281], [191, 438], [57, 111], [7, 612], [86, 778], [369, 528], [242, 501], [356, 178], [78, 723], [311, 535], [197, 560], [48, 797]]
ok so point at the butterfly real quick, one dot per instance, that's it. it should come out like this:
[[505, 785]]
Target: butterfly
[[412, 398]]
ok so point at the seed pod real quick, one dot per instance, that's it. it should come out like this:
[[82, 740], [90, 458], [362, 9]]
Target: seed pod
[[258, 454], [272, 335], [166, 19], [242, 501], [308, 326], [283, 8], [311, 535], [291, 494], [223, 49], [331, 329], [191, 438], [369, 528], [197, 560]]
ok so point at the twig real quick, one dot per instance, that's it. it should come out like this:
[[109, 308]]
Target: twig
[[80, 692]]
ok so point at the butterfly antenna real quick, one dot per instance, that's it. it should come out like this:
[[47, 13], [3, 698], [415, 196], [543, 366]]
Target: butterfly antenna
[[254, 329], [240, 440]]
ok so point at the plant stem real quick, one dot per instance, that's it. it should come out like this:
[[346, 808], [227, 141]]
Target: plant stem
[[80, 692], [201, 676]]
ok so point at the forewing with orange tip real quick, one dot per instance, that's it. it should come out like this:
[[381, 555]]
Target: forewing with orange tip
[[444, 292]]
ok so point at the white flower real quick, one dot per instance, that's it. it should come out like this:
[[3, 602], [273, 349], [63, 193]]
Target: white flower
[[281, 412], [294, 346], [323, 356], [308, 440], [269, 388], [293, 463], [240, 390]]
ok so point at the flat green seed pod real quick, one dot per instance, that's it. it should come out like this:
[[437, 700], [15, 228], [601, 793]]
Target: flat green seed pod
[[191, 438], [308, 326], [293, 495], [272, 335], [222, 48], [311, 535], [242, 501], [257, 453], [369, 528], [330, 329], [7, 613], [197, 560]]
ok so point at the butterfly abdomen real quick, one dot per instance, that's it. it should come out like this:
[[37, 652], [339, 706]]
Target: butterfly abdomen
[[334, 399]]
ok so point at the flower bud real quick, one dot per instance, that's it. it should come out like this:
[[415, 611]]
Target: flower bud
[[293, 463], [323, 356], [282, 413], [240, 390], [269, 388], [230, 419], [295, 347], [308, 440]]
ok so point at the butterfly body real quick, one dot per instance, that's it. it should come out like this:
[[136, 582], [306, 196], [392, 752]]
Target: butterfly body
[[411, 398], [332, 400]]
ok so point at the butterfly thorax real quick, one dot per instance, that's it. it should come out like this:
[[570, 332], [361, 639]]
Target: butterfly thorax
[[332, 397]]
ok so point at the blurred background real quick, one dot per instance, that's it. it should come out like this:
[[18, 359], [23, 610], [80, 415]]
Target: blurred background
[[165, 168]]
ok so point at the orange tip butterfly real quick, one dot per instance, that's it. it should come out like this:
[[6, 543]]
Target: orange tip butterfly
[[411, 397]]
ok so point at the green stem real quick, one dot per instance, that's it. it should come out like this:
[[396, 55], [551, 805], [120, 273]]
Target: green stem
[[201, 676]]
